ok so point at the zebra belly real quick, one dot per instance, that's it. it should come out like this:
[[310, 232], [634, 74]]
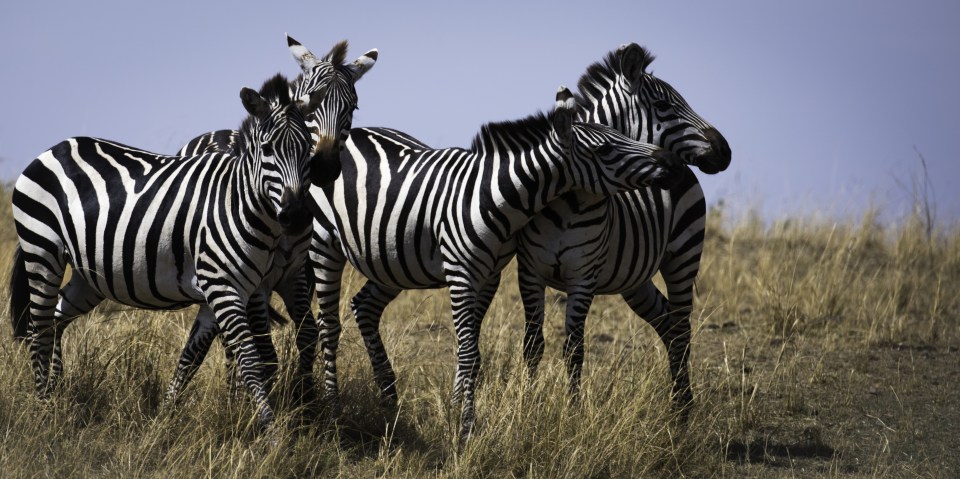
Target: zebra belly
[[403, 255], [611, 254], [402, 265], [144, 279]]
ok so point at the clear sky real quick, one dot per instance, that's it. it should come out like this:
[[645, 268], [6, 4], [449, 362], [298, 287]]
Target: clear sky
[[825, 103]]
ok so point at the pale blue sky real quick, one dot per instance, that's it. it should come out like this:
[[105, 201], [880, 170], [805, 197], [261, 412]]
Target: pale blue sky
[[822, 102]]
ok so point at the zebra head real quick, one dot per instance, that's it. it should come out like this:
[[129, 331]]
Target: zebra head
[[623, 95], [604, 161], [331, 121], [275, 141]]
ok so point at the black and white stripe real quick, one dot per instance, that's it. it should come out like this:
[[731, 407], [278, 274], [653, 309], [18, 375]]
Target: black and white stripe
[[329, 124], [586, 244], [410, 217], [160, 232]]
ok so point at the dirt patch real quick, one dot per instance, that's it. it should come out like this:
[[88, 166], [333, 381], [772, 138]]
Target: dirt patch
[[823, 406]]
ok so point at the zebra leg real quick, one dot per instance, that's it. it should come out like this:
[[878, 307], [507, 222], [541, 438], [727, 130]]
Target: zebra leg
[[463, 297], [44, 274], [578, 306], [296, 295], [201, 336], [328, 262], [673, 326], [368, 306], [76, 299], [532, 295], [258, 313], [237, 334], [679, 270], [484, 298]]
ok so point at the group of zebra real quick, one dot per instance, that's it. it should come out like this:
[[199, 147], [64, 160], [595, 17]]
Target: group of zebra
[[592, 198]]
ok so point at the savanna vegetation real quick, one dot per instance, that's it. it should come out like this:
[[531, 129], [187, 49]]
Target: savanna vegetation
[[821, 348]]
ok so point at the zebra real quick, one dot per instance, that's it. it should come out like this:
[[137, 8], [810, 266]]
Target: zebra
[[329, 125], [585, 244], [160, 232], [410, 217]]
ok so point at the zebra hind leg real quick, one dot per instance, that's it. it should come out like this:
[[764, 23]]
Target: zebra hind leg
[[76, 299], [201, 336], [44, 274], [368, 306]]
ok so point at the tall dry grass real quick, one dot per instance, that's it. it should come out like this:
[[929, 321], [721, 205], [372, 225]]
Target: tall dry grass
[[785, 316]]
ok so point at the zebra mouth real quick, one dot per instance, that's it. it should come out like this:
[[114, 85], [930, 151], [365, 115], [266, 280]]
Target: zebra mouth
[[325, 167], [718, 158], [293, 216], [294, 222]]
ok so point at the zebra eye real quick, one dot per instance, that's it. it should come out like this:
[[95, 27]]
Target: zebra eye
[[661, 104], [356, 107], [267, 149]]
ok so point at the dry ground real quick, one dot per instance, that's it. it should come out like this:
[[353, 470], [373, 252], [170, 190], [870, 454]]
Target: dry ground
[[820, 349]]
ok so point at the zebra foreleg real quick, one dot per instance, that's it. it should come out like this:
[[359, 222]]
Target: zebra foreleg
[[328, 261], [235, 327], [532, 296], [672, 324], [258, 313], [464, 305], [368, 306], [578, 306], [484, 298], [296, 295]]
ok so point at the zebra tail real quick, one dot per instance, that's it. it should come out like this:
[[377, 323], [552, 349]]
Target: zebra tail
[[19, 296]]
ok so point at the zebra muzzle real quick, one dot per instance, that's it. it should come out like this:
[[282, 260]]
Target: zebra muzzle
[[718, 159], [293, 215], [325, 162]]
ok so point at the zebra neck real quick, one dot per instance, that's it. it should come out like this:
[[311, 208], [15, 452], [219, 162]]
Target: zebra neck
[[247, 205]]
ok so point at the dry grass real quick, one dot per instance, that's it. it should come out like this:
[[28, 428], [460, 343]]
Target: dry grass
[[820, 349]]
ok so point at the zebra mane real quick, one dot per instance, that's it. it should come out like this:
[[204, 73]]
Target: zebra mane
[[276, 90], [601, 72], [338, 54], [495, 135]]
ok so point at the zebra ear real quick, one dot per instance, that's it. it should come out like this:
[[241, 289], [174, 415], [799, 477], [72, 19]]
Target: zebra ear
[[563, 113], [304, 57], [634, 61], [363, 64], [254, 103]]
